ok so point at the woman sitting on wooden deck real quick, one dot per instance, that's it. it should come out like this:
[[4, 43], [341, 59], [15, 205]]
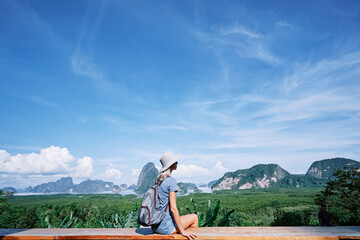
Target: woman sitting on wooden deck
[[172, 222]]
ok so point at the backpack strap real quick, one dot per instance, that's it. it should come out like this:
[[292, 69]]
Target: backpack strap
[[159, 183]]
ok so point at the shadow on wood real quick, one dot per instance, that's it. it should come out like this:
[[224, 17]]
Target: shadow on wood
[[144, 231]]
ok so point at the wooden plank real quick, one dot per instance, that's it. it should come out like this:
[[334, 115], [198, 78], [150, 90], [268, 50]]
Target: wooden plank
[[214, 233]]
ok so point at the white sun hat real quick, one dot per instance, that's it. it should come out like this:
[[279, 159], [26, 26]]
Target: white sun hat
[[168, 159]]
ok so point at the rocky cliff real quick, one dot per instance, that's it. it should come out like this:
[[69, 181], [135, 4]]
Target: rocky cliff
[[325, 169], [259, 176], [62, 185], [146, 178]]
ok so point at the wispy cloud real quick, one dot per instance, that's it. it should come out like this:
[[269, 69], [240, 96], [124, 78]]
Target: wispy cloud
[[238, 39], [237, 29], [44, 102], [309, 105], [168, 127], [297, 123], [318, 115], [323, 72], [261, 52], [234, 101], [31, 148], [83, 65], [285, 25], [295, 140], [82, 61]]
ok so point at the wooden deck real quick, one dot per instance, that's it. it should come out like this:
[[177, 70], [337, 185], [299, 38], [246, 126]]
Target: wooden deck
[[215, 233]]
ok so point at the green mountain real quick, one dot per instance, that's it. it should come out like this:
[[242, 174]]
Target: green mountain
[[325, 169], [272, 175]]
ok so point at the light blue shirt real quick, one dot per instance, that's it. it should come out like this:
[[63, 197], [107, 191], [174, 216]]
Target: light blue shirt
[[167, 186]]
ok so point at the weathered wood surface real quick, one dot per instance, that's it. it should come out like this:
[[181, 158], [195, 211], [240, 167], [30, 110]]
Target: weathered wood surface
[[215, 233]]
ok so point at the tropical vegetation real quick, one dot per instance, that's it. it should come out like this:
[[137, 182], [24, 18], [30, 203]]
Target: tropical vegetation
[[251, 207]]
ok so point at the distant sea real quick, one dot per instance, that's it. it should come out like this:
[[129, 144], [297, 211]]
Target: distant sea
[[205, 189], [123, 192]]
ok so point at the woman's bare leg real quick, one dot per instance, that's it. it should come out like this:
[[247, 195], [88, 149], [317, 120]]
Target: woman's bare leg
[[190, 220]]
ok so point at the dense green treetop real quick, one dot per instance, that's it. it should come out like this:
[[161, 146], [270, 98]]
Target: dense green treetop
[[342, 196]]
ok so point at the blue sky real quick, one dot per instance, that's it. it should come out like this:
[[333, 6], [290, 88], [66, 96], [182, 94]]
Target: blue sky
[[96, 89]]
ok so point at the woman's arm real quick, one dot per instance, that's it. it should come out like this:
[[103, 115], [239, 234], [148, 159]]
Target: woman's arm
[[175, 212]]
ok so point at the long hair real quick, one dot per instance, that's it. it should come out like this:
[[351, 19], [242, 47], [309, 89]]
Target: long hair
[[164, 174]]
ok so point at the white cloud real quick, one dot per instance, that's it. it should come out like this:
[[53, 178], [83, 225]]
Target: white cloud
[[50, 161], [113, 173], [219, 168], [84, 168], [190, 171]]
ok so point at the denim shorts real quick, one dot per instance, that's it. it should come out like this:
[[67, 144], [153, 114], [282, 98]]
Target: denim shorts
[[167, 225]]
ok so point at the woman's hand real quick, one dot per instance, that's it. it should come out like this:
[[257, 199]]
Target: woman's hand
[[189, 235]]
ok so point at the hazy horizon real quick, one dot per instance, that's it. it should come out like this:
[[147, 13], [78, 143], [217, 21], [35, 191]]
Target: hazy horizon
[[135, 183]]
